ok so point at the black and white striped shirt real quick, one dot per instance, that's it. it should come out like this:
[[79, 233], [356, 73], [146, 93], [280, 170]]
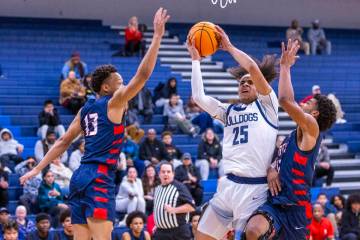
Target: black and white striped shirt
[[175, 195]]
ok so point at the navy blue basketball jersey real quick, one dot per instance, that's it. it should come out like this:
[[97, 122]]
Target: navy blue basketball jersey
[[103, 138], [296, 170]]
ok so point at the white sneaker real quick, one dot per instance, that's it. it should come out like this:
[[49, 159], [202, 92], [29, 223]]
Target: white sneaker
[[122, 223]]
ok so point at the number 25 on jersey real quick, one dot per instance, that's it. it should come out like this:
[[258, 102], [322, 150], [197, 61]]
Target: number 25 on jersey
[[241, 135]]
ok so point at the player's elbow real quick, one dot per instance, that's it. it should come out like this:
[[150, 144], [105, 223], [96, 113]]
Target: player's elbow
[[144, 73], [197, 99]]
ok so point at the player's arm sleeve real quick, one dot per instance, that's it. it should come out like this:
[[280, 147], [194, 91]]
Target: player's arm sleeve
[[211, 105], [270, 106]]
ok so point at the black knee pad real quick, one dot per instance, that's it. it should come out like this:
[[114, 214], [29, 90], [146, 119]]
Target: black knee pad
[[268, 232]]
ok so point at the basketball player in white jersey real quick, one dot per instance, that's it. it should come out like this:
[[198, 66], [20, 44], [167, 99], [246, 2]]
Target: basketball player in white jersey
[[250, 131]]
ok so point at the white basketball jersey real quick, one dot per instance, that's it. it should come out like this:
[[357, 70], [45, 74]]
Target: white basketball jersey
[[249, 136]]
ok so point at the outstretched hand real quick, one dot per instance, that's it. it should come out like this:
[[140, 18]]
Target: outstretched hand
[[194, 53], [160, 19], [225, 43], [288, 55]]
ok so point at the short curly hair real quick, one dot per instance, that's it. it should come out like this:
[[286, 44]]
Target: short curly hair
[[101, 73], [327, 112], [133, 215], [268, 67]]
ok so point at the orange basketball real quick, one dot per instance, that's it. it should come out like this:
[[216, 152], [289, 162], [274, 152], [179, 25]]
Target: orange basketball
[[206, 38]]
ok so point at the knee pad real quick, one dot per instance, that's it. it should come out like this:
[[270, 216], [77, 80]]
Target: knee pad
[[270, 220]]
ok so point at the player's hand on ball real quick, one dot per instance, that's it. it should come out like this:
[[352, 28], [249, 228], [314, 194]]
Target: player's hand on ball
[[29, 175], [273, 181], [194, 53], [161, 17], [225, 43], [288, 55], [169, 209]]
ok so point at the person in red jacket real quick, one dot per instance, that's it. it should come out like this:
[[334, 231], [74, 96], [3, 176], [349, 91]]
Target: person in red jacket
[[320, 227], [134, 38]]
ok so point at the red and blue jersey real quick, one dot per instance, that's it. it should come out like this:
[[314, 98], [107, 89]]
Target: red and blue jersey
[[103, 138], [296, 170]]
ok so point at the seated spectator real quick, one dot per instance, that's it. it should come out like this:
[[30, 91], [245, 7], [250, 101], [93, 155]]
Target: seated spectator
[[149, 181], [75, 157], [323, 166], [135, 222], [189, 175], [142, 104], [4, 219], [317, 39], [10, 149], [350, 224], [43, 146], [203, 121], [320, 227], [192, 109], [134, 38], [42, 231], [194, 222], [131, 151], [133, 129], [25, 225], [339, 112], [176, 116], [31, 186], [4, 186], [339, 202], [163, 95], [209, 154], [76, 65], [62, 175], [329, 211], [131, 195], [11, 231], [294, 32], [279, 141], [67, 232], [49, 117], [173, 152], [152, 150], [72, 94], [90, 94], [50, 198]]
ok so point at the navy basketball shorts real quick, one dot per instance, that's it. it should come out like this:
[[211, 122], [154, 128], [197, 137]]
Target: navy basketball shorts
[[289, 222], [92, 193]]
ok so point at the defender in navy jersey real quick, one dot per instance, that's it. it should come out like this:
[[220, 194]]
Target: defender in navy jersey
[[287, 213], [92, 189]]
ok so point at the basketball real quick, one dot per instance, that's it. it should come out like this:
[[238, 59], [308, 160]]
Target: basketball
[[206, 38]]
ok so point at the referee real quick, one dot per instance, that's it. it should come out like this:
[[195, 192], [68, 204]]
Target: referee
[[172, 203]]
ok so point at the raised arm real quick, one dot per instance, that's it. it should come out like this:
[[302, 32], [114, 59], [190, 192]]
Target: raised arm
[[305, 121], [147, 65], [60, 146], [262, 86]]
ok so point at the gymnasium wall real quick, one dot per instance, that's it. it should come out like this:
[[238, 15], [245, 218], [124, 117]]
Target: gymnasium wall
[[332, 13]]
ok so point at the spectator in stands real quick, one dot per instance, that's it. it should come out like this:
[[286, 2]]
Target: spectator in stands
[[350, 225], [209, 154], [339, 202], [294, 32], [163, 94], [42, 231], [203, 121], [173, 152], [134, 38], [176, 116], [135, 222], [131, 151], [76, 65], [323, 166], [31, 187], [317, 39], [67, 232], [192, 109], [25, 225], [11, 231], [75, 157], [62, 175], [43, 146], [320, 227], [189, 175], [72, 94], [90, 94], [152, 150], [194, 222], [329, 211], [339, 112], [142, 104], [4, 219], [10, 149], [50, 198], [4, 186], [49, 117], [131, 195], [149, 182], [279, 141]]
